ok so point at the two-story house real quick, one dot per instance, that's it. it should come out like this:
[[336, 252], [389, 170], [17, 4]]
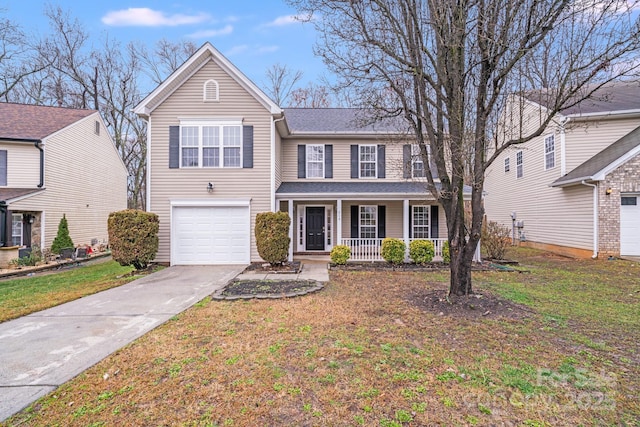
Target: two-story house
[[575, 189], [54, 162], [220, 151]]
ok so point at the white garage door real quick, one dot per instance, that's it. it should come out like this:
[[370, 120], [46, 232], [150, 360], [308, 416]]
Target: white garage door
[[210, 235], [630, 225]]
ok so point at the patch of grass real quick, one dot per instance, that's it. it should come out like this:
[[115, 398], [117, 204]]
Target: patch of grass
[[25, 295], [365, 351]]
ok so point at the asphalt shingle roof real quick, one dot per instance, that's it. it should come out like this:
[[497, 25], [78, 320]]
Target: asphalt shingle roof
[[602, 160], [7, 194], [35, 122], [338, 120], [368, 187]]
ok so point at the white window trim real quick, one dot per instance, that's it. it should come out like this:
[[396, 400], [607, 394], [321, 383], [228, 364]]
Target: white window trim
[[360, 225], [17, 218], [416, 157], [375, 161], [308, 162], [520, 164], [413, 222], [507, 164], [200, 124], [551, 154], [205, 92]]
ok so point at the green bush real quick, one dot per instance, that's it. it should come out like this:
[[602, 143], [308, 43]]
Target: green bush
[[340, 254], [421, 251], [272, 236], [62, 240], [393, 250], [30, 260], [446, 255], [133, 237]]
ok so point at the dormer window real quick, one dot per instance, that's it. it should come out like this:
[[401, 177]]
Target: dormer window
[[211, 91]]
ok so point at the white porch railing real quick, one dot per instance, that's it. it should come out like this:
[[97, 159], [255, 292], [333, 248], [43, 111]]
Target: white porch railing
[[369, 249]]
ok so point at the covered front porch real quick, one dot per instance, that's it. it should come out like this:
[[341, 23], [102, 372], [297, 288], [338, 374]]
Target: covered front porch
[[360, 216]]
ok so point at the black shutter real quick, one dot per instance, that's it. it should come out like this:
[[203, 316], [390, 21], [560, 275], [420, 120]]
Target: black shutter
[[174, 147], [355, 213], [354, 162], [406, 161], [302, 161], [382, 228], [328, 161], [381, 162], [434, 222], [247, 146]]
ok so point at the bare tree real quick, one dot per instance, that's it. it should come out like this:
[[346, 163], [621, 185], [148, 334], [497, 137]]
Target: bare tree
[[280, 82], [450, 67], [311, 96], [165, 58]]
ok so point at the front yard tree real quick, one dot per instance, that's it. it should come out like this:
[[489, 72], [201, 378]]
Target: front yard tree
[[62, 239], [448, 68]]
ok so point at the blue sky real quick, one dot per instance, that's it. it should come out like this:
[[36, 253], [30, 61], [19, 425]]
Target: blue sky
[[253, 34]]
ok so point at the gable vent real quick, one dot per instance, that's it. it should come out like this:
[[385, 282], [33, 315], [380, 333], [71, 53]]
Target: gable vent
[[210, 91]]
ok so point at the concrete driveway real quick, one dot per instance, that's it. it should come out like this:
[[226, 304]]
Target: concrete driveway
[[41, 351]]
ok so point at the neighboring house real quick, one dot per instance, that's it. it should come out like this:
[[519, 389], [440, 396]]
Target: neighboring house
[[54, 162], [576, 188], [220, 151]]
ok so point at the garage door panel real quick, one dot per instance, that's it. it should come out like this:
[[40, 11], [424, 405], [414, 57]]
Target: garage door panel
[[630, 225], [211, 235]]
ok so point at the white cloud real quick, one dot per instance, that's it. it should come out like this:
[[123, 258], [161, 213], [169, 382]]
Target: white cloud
[[236, 50], [281, 21], [228, 29], [267, 49], [145, 17]]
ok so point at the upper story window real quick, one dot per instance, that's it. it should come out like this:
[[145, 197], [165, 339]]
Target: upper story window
[[507, 166], [368, 160], [3, 168], [368, 222], [519, 164], [549, 152], [417, 162], [211, 91], [420, 224], [315, 161], [211, 146]]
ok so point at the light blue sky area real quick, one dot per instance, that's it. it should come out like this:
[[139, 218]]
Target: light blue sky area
[[253, 34]]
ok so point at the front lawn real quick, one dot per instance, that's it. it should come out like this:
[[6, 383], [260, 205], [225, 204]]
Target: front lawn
[[26, 295], [369, 350]]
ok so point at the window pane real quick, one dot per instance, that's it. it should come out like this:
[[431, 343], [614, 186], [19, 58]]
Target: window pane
[[506, 165], [368, 161], [629, 201], [549, 152], [189, 136], [417, 165], [420, 222], [190, 157], [231, 157], [211, 157], [16, 229], [315, 161], [368, 222], [519, 165], [231, 136], [211, 136]]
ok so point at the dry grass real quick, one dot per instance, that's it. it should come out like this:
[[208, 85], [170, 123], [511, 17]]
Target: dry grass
[[361, 352]]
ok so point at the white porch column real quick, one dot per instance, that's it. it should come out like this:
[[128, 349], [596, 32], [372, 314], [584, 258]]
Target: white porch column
[[292, 227], [405, 221], [338, 224]]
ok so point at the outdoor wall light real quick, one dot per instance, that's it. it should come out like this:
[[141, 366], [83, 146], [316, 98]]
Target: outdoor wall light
[[210, 187], [608, 191]]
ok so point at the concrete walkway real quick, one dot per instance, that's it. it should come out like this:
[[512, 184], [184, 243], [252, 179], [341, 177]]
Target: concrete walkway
[[310, 270], [41, 351]]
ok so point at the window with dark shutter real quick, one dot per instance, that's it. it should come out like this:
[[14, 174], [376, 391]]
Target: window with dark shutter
[[382, 167], [302, 161], [247, 146], [328, 161], [174, 147]]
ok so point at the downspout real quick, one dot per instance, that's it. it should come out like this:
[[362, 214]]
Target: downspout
[[563, 154], [272, 182], [39, 147], [595, 218]]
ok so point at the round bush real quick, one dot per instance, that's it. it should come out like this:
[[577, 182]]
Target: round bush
[[340, 254], [421, 251], [133, 237], [393, 250], [272, 236]]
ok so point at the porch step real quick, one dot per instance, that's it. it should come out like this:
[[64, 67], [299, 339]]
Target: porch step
[[313, 256]]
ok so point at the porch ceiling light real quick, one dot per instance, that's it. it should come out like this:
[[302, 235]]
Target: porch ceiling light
[[210, 187]]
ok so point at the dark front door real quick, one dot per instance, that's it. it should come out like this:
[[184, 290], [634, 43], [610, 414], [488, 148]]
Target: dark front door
[[315, 229]]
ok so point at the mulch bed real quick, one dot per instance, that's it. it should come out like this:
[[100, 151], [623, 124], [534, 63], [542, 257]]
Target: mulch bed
[[247, 289], [409, 267]]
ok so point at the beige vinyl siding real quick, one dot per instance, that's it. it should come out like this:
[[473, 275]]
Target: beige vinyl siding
[[23, 164], [230, 183], [84, 179]]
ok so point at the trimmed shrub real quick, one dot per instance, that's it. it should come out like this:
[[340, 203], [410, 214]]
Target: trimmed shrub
[[133, 237], [62, 240], [272, 236], [421, 251], [340, 254], [494, 240], [393, 250], [446, 255]]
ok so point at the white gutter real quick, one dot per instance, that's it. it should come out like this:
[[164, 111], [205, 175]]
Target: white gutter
[[634, 111], [595, 218], [272, 183], [563, 151]]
